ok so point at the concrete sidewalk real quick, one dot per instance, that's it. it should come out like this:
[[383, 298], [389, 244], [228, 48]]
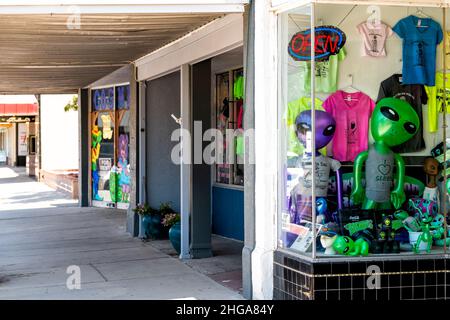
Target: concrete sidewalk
[[40, 239]]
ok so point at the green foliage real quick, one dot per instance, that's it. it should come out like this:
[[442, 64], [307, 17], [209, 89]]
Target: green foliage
[[166, 208], [145, 210], [72, 105]]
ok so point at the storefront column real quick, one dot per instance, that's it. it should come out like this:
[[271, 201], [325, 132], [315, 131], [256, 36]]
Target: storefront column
[[262, 98], [133, 218], [84, 147], [249, 168]]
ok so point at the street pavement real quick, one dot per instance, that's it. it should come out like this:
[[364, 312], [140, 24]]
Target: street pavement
[[46, 241]]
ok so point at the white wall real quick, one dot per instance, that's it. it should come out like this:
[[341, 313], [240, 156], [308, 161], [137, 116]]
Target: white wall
[[11, 149], [59, 133], [369, 72]]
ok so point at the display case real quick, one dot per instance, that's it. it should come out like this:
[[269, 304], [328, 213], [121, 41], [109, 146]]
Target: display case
[[363, 178]]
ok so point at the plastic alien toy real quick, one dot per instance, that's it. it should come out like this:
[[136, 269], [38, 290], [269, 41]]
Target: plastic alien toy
[[393, 122], [300, 203], [346, 246]]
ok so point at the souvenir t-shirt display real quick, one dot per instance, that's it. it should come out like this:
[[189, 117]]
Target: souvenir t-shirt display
[[436, 98], [416, 96], [326, 73], [420, 38], [374, 38], [352, 112], [295, 148]]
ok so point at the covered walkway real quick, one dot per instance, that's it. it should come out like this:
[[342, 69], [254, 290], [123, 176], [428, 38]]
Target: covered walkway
[[43, 232]]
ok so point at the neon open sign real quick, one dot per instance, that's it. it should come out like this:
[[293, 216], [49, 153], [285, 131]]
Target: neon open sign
[[328, 41]]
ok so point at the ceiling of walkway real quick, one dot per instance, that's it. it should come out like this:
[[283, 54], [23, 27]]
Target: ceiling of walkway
[[48, 54]]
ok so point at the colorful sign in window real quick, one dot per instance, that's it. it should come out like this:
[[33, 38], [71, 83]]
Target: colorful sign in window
[[328, 41]]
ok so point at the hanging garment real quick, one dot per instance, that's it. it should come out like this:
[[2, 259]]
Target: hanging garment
[[374, 38], [326, 73], [352, 112], [420, 38], [416, 96], [436, 99]]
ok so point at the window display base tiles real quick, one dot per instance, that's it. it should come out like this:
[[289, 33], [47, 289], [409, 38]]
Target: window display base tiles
[[408, 278]]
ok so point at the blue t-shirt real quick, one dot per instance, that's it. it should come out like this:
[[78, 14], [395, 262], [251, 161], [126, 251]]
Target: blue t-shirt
[[420, 38]]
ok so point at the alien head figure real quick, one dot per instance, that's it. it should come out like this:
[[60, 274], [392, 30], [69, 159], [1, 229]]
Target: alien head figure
[[325, 127], [394, 122]]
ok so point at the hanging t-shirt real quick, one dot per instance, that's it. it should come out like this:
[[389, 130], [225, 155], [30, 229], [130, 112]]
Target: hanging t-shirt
[[295, 148], [374, 38], [238, 88], [436, 99], [326, 73], [352, 112], [415, 95], [420, 38]]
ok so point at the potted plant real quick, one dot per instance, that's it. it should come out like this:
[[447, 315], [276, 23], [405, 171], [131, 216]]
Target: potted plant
[[150, 222], [172, 220]]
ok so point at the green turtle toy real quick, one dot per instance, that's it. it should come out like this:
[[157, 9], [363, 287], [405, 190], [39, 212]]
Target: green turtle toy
[[393, 122]]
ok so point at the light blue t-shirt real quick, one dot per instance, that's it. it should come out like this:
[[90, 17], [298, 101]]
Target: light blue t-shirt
[[420, 38]]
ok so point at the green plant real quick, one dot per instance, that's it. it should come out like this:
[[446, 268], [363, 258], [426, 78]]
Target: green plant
[[145, 210], [72, 105], [166, 208], [170, 219]]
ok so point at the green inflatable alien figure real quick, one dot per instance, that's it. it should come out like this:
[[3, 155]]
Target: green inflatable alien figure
[[393, 122]]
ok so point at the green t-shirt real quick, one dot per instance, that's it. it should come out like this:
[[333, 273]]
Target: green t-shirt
[[295, 148], [326, 73], [238, 89]]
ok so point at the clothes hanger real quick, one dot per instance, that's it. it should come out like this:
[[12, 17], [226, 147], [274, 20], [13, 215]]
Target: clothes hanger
[[350, 89], [421, 14]]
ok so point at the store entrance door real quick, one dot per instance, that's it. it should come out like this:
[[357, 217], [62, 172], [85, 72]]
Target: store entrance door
[[110, 145]]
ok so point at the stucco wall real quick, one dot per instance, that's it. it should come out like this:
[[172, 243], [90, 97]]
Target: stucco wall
[[59, 133]]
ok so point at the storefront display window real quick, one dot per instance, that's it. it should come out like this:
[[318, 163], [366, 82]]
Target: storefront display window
[[110, 147], [360, 176], [229, 105]]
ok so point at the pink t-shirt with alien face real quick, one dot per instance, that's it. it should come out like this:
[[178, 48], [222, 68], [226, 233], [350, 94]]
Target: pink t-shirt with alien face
[[374, 38], [352, 112]]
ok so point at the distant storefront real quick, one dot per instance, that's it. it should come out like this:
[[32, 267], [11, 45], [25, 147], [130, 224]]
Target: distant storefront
[[19, 130]]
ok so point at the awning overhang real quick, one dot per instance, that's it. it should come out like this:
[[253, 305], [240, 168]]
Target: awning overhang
[[58, 47], [283, 5]]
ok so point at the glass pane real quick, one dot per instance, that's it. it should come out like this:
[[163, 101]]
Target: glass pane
[[123, 164], [296, 229], [223, 122], [385, 208], [102, 147], [378, 130]]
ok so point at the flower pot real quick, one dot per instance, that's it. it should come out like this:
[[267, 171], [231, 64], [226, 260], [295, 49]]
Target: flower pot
[[152, 227], [175, 236], [413, 237]]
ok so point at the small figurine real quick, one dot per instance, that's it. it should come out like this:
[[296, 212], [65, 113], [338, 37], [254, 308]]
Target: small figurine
[[425, 214], [300, 202], [386, 242], [393, 122], [346, 246], [321, 210], [431, 168]]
